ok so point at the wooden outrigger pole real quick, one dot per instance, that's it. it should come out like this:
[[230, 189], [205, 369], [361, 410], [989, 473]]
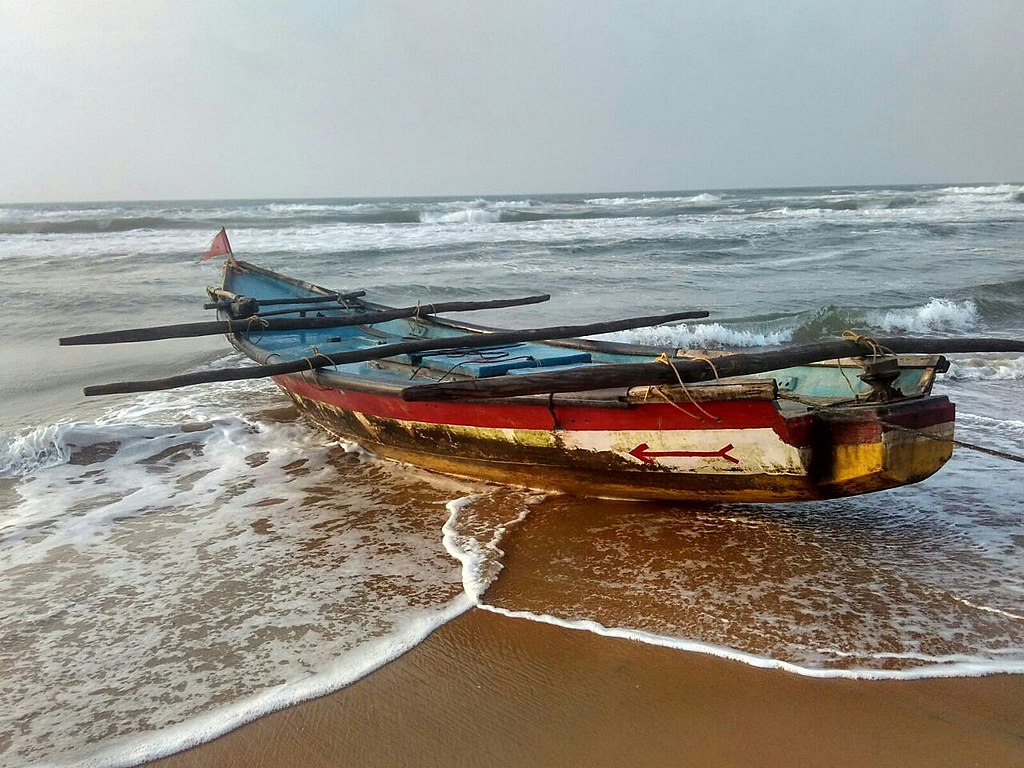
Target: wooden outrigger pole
[[320, 360], [256, 324]]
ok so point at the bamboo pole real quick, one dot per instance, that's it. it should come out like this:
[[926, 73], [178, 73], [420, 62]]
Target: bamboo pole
[[592, 377], [473, 340], [256, 326]]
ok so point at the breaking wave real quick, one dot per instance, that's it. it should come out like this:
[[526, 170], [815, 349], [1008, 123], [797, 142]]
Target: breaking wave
[[46, 446], [986, 368], [701, 336], [463, 216], [936, 315], [703, 197]]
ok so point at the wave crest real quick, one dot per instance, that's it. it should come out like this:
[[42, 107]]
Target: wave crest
[[463, 216], [978, 369], [702, 336], [936, 315], [46, 446]]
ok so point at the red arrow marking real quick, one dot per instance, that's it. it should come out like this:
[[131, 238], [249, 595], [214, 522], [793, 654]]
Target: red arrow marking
[[647, 457]]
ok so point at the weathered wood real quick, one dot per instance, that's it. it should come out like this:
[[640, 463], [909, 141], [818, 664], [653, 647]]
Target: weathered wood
[[640, 374], [332, 297], [306, 308], [256, 326], [226, 297], [469, 341], [765, 389]]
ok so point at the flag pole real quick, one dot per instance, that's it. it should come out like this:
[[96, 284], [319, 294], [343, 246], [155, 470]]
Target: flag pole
[[227, 243]]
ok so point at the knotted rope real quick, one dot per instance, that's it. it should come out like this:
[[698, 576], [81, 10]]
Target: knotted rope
[[664, 359], [877, 350], [260, 322], [313, 367], [427, 309], [700, 358]]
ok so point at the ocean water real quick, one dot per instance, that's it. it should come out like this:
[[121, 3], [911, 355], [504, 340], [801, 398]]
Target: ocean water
[[174, 564]]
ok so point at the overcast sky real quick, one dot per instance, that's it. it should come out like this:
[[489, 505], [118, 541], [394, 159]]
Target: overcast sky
[[140, 99]]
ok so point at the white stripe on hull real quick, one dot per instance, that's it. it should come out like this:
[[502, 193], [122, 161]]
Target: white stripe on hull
[[706, 451]]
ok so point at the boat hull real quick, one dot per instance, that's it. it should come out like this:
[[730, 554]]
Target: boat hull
[[728, 451]]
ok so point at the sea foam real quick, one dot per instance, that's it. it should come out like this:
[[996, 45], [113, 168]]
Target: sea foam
[[344, 670], [288, 566], [45, 446], [474, 543], [936, 315], [985, 368], [960, 665], [700, 336]]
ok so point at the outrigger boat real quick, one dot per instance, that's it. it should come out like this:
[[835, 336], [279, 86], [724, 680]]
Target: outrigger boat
[[544, 409], [725, 440]]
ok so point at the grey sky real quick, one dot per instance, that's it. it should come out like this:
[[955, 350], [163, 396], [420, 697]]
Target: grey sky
[[183, 99]]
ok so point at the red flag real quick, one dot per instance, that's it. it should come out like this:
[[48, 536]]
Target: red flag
[[219, 246]]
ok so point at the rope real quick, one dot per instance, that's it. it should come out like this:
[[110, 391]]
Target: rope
[[446, 373], [877, 350], [919, 432], [959, 443], [313, 367], [700, 358], [849, 383], [263, 324], [664, 358], [990, 451], [482, 359], [317, 353], [426, 309], [670, 401]]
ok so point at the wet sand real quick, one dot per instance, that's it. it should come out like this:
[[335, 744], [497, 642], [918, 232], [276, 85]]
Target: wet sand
[[487, 690]]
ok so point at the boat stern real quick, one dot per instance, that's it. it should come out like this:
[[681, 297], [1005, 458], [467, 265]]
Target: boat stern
[[874, 447]]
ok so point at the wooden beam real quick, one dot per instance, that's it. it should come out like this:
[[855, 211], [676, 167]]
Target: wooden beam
[[469, 341], [592, 377], [256, 326], [224, 299]]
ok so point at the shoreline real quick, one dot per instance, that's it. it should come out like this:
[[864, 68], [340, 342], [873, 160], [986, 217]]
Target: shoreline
[[486, 689]]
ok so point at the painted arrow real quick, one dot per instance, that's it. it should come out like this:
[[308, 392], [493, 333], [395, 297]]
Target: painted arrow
[[647, 456]]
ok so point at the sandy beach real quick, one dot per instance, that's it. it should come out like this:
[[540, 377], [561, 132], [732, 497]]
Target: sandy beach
[[487, 690]]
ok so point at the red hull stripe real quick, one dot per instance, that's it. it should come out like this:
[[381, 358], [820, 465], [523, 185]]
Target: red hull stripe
[[799, 431], [741, 414]]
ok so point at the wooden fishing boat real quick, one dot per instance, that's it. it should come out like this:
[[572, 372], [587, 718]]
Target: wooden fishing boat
[[815, 430], [547, 408]]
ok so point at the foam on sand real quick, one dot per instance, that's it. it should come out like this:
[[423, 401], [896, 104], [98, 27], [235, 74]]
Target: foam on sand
[[191, 578]]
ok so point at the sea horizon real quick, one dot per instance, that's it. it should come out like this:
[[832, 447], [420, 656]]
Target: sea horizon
[[512, 195]]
